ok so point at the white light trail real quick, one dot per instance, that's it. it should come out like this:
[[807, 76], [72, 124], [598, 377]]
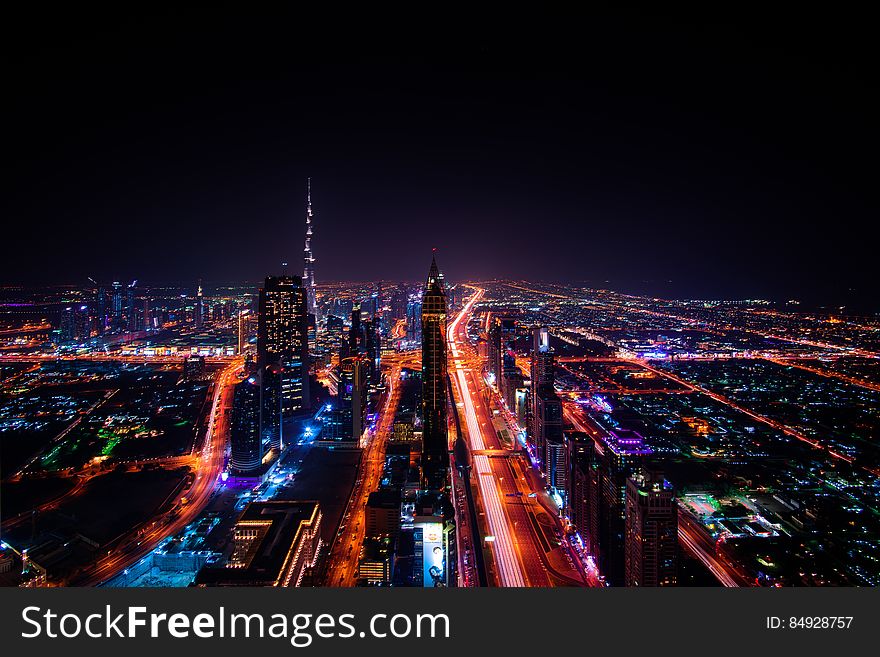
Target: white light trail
[[505, 555]]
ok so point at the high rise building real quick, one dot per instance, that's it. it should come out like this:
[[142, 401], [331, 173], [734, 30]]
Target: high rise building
[[116, 320], [414, 321], [580, 462], [271, 407], [618, 456], [353, 393], [282, 338], [502, 332], [68, 324], [246, 444], [309, 258], [435, 452], [355, 334], [130, 314], [100, 320], [651, 531], [545, 435], [373, 349], [398, 303]]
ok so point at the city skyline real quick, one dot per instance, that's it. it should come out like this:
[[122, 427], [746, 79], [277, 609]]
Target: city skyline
[[587, 305]]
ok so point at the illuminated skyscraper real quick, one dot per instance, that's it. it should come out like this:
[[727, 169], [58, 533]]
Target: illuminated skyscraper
[[651, 540], [282, 338], [116, 321], [246, 445], [308, 258], [618, 456], [355, 336], [435, 452], [545, 435], [353, 393], [414, 321], [271, 407], [373, 349], [130, 314]]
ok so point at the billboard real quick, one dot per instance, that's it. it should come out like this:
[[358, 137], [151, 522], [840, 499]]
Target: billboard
[[433, 554]]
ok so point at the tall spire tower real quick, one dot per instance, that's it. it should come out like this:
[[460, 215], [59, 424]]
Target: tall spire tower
[[308, 258]]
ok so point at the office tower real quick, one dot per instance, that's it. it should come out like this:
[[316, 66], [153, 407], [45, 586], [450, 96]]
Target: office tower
[[546, 420], [435, 451], [200, 307], [355, 337], [130, 314], [580, 462], [246, 444], [353, 393], [414, 321], [271, 407], [556, 460], [281, 338], [651, 531], [308, 258], [337, 335], [373, 349], [501, 334], [116, 321], [398, 303], [148, 315], [75, 323], [513, 381], [100, 321], [619, 455], [68, 324]]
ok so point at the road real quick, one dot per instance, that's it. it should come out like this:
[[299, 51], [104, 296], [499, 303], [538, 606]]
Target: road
[[526, 549], [342, 570]]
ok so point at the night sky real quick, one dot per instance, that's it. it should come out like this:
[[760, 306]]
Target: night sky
[[681, 157]]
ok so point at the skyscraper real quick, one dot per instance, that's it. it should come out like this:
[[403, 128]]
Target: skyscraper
[[130, 314], [373, 349], [619, 454], [435, 452], [545, 434], [116, 306], [355, 336], [651, 541], [308, 258], [353, 393], [246, 445], [414, 321], [282, 338], [271, 406], [200, 307]]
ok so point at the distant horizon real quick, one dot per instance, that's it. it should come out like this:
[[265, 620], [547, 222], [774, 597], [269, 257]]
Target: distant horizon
[[645, 289]]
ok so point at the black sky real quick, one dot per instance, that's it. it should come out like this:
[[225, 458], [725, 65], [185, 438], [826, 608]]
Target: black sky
[[692, 156]]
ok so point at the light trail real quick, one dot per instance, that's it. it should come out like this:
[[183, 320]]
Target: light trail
[[505, 556], [706, 559]]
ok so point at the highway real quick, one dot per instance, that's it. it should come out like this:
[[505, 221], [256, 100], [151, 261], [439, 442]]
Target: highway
[[509, 570], [526, 548]]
